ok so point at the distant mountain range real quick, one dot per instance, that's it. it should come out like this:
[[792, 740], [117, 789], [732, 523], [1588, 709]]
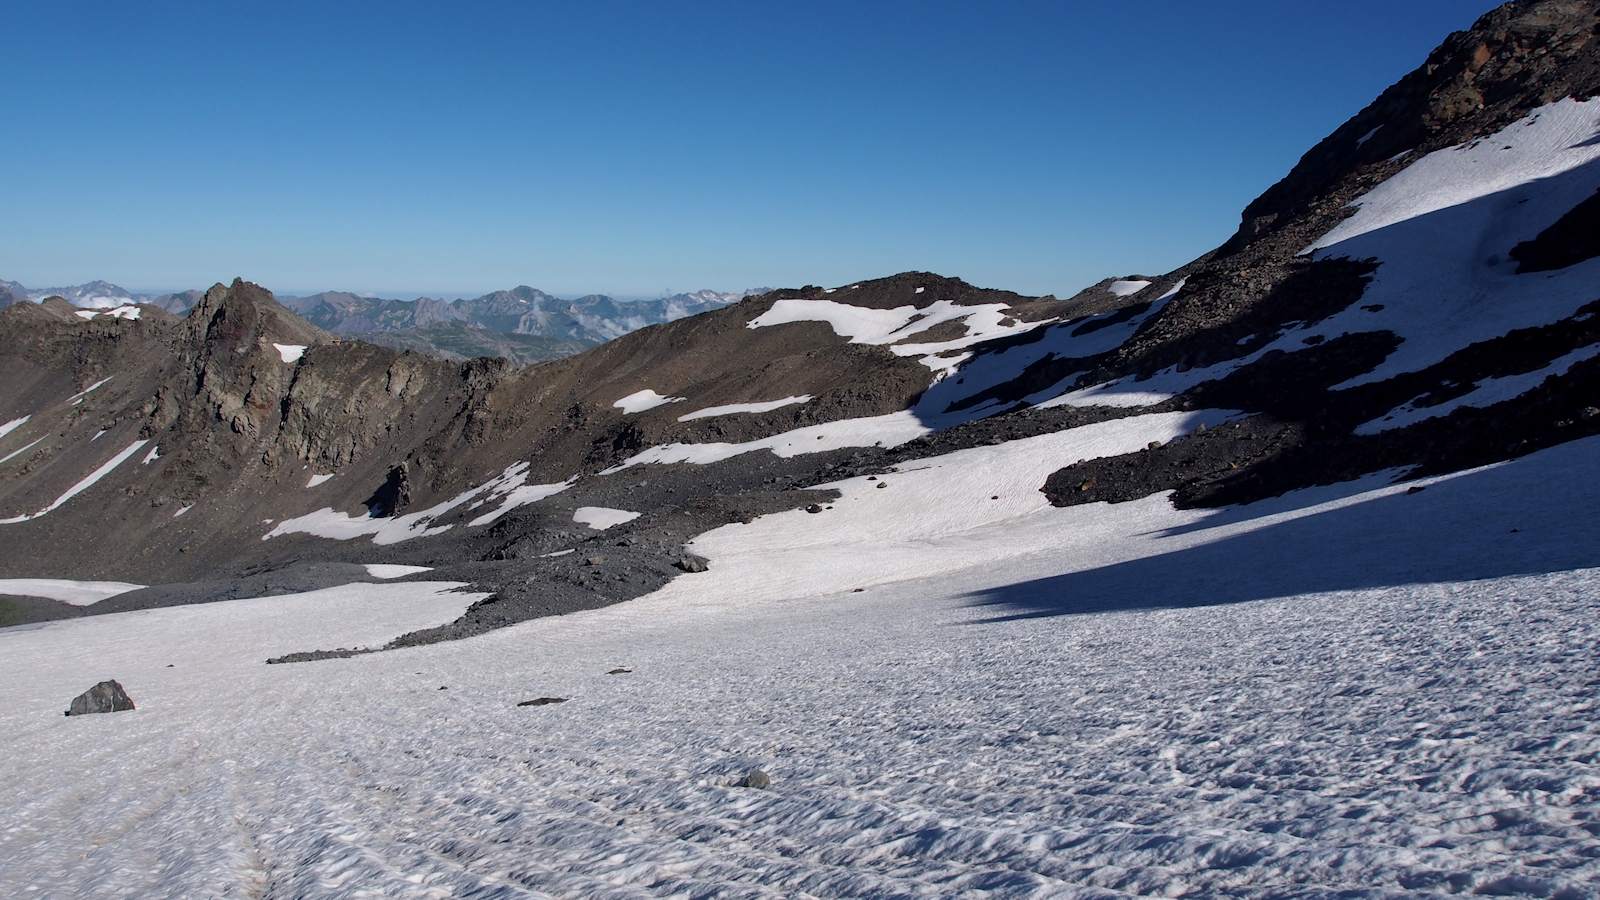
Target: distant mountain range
[[523, 324]]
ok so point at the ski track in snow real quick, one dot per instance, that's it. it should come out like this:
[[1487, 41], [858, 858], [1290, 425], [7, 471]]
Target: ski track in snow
[[1349, 729]]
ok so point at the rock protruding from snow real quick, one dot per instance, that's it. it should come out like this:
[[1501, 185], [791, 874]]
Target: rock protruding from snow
[[690, 562], [755, 778], [107, 696]]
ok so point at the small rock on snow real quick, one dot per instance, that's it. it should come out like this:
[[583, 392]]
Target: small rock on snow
[[542, 701]]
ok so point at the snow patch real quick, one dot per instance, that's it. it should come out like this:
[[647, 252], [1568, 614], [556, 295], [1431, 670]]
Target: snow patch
[[883, 327], [316, 479], [600, 517], [732, 408], [394, 570], [290, 353], [13, 425], [639, 401], [1127, 287]]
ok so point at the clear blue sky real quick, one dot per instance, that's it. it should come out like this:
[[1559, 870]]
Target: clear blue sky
[[633, 147]]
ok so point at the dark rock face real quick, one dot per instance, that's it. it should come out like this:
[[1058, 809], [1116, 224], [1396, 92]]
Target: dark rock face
[[107, 696], [393, 496], [542, 701]]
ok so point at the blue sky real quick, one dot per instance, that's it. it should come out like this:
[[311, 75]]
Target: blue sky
[[632, 148]]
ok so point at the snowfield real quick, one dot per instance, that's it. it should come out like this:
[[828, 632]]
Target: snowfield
[[1091, 701]]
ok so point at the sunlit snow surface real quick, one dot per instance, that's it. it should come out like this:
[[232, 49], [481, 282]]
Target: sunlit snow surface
[[290, 353], [1353, 714]]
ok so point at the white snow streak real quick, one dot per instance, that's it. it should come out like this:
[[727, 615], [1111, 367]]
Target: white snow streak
[[394, 570], [731, 408], [78, 397], [81, 486], [20, 450]]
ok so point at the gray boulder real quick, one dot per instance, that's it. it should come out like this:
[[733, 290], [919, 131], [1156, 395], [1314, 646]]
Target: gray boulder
[[107, 696]]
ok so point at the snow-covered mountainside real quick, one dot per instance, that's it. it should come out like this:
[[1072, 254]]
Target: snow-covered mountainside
[[1272, 575]]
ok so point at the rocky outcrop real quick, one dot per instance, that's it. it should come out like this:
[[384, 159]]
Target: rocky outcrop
[[105, 697]]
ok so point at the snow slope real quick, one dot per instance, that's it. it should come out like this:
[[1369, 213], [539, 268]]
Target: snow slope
[[1051, 719]]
